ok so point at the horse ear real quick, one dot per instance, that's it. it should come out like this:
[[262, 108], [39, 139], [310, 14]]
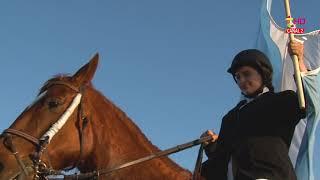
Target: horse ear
[[85, 74]]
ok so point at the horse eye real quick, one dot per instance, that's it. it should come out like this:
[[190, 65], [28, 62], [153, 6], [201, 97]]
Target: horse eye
[[53, 104]]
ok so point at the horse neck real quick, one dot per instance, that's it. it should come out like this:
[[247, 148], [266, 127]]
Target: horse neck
[[118, 140]]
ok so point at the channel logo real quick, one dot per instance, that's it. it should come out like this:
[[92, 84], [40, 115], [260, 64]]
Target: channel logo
[[292, 25]]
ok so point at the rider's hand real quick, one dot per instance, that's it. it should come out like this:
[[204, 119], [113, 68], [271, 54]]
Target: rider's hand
[[297, 48], [209, 133]]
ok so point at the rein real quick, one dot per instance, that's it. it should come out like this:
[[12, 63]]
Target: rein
[[181, 147]]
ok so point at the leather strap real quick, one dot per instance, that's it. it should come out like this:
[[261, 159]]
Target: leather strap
[[198, 166], [63, 83], [22, 135]]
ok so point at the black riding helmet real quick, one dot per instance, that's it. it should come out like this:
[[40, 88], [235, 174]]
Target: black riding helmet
[[256, 59]]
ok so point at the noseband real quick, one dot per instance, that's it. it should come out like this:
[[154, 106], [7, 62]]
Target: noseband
[[39, 167]]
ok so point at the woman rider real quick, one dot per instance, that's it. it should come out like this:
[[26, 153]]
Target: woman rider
[[257, 132]]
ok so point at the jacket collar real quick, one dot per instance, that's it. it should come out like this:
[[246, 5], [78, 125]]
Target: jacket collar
[[265, 89]]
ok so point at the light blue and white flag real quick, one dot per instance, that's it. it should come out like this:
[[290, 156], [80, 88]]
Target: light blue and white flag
[[273, 41]]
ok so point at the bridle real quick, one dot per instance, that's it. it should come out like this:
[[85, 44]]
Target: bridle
[[39, 167]]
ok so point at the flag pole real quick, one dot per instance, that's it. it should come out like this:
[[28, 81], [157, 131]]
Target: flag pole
[[297, 74]]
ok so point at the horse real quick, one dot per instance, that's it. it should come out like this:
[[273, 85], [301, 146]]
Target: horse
[[71, 124]]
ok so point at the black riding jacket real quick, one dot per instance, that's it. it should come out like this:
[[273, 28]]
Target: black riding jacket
[[257, 136]]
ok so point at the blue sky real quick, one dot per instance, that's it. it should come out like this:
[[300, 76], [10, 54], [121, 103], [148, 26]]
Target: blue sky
[[162, 62]]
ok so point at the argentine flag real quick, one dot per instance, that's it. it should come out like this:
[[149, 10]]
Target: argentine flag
[[273, 41]]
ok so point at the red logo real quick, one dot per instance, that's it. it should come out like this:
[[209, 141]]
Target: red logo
[[292, 25]]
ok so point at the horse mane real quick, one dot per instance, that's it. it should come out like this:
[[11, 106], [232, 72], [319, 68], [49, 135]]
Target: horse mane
[[121, 115]]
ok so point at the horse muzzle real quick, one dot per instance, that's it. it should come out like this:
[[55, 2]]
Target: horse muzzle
[[13, 171]]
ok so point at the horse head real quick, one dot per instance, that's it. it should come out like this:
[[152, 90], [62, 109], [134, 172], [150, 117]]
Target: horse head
[[48, 133]]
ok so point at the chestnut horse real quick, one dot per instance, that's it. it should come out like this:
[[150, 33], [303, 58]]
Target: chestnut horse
[[95, 135]]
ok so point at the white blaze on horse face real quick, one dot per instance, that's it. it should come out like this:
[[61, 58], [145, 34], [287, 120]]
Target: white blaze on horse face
[[37, 99], [63, 119]]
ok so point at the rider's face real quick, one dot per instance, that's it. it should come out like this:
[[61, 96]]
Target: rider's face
[[248, 80]]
